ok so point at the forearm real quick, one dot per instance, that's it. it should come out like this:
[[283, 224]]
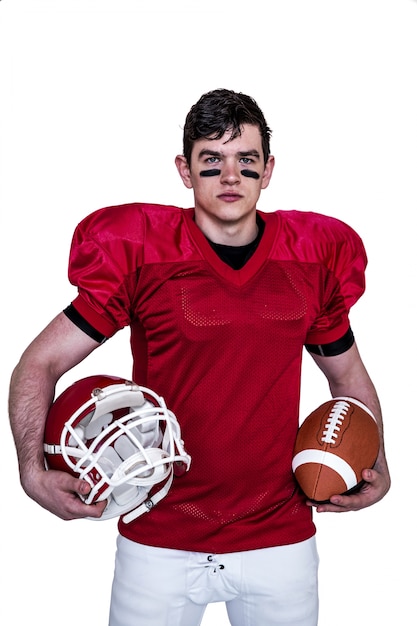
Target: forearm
[[347, 376], [363, 389], [59, 347], [31, 393]]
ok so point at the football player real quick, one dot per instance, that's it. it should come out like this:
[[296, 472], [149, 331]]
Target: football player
[[221, 299]]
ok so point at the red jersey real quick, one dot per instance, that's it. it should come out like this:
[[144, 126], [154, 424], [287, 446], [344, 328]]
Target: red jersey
[[224, 348]]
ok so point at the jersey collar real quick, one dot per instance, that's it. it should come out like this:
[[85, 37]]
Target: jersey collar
[[252, 266]]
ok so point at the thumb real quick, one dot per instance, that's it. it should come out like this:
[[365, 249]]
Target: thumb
[[367, 475]]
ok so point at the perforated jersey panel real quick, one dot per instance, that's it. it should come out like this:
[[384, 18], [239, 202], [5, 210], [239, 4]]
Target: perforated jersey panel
[[238, 406]]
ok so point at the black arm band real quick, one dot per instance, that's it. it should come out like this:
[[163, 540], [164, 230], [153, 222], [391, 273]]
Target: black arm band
[[77, 319], [333, 348]]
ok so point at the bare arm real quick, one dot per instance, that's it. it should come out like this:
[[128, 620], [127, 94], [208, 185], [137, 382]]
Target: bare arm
[[58, 348], [347, 376]]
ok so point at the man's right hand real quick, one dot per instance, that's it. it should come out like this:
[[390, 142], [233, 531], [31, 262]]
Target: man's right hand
[[61, 494]]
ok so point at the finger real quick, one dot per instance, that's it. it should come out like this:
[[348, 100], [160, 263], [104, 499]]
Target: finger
[[96, 510], [82, 488], [369, 475], [76, 508]]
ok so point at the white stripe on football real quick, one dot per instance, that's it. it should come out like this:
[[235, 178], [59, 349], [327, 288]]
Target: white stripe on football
[[329, 460]]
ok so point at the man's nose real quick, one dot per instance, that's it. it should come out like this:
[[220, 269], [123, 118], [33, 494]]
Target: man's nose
[[230, 173]]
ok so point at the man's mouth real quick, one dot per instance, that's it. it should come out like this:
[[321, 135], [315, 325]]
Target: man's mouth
[[229, 196]]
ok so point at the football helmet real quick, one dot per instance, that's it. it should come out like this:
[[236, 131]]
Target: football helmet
[[119, 437]]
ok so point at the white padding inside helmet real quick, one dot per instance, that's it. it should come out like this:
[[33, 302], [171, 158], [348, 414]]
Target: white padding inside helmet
[[125, 447], [97, 425]]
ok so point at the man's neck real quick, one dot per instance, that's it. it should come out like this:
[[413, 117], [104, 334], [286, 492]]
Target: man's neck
[[233, 233], [237, 256]]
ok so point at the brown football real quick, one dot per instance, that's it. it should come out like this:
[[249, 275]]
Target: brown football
[[334, 444]]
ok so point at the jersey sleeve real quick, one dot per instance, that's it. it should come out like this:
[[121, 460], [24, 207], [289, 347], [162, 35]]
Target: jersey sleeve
[[105, 258], [343, 254]]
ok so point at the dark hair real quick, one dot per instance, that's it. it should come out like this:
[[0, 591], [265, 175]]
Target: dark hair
[[219, 111]]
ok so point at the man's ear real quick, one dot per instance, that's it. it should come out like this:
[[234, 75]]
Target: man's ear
[[183, 170], [269, 168]]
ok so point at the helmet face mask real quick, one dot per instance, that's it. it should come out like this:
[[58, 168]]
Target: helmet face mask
[[120, 438]]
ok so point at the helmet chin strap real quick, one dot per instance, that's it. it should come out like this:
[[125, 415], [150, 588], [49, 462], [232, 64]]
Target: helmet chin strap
[[148, 505]]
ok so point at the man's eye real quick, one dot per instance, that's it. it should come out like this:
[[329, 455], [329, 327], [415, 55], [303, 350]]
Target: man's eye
[[246, 160], [212, 159]]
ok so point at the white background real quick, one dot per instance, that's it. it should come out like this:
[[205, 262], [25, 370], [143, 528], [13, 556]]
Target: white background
[[93, 98]]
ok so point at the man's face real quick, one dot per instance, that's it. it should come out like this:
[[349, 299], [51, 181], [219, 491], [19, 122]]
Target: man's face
[[227, 177]]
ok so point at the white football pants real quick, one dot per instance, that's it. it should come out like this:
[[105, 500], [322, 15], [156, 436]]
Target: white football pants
[[163, 587]]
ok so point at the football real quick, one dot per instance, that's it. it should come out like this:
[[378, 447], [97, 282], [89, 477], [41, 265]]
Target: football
[[334, 444]]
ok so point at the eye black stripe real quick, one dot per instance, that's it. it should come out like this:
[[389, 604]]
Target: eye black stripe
[[250, 174], [210, 173]]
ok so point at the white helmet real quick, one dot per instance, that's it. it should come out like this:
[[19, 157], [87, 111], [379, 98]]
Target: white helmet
[[119, 437]]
